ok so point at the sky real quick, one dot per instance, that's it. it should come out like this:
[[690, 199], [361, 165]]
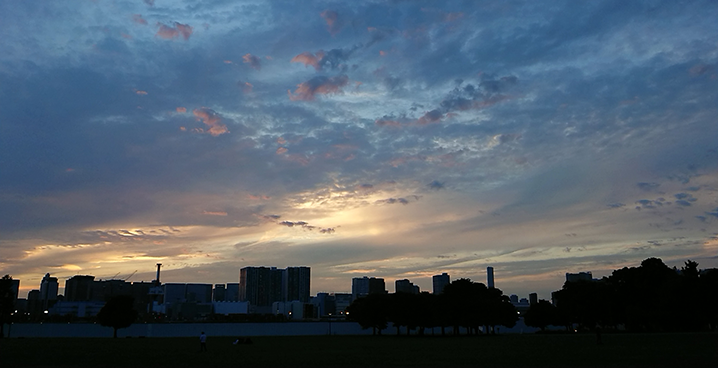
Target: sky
[[393, 139]]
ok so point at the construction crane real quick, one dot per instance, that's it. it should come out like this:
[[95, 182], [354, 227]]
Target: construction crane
[[113, 277], [130, 276]]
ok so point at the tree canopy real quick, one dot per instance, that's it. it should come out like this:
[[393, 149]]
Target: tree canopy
[[463, 304], [651, 297], [118, 313], [7, 302]]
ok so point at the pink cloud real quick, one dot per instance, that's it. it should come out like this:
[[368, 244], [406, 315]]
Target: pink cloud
[[318, 85], [169, 33], [137, 18], [387, 122], [214, 213], [140, 92], [253, 61], [281, 150], [181, 109], [211, 119], [334, 23], [245, 86], [281, 140], [307, 58]]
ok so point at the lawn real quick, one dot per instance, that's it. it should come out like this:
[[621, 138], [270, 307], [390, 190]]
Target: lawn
[[577, 350]]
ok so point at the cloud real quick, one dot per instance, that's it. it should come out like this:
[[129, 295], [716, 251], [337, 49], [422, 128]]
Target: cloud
[[334, 23], [648, 186], [713, 213], [140, 92], [389, 122], [307, 58], [169, 33], [246, 87], [181, 109], [393, 201], [253, 61], [318, 85], [333, 59], [211, 119], [214, 213], [149, 2], [433, 116], [137, 18], [436, 185], [281, 150]]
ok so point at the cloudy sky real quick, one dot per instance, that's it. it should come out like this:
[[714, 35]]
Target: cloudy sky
[[396, 139]]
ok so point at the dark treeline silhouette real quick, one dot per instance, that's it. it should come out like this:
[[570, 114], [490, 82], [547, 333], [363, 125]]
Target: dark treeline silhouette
[[463, 303], [651, 297]]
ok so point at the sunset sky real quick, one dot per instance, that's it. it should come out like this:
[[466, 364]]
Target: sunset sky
[[395, 139]]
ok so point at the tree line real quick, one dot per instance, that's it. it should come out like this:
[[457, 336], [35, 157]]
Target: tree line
[[463, 304], [651, 297]]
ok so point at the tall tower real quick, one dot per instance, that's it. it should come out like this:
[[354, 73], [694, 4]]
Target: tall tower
[[440, 281], [490, 277], [48, 291]]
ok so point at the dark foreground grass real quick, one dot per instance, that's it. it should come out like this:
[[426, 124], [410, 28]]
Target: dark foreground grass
[[625, 350]]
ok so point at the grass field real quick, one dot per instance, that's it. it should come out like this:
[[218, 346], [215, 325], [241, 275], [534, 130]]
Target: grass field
[[625, 350]]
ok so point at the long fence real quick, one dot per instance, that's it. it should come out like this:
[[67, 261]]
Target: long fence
[[212, 329]]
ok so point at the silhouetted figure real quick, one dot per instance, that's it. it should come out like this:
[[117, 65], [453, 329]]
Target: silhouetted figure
[[202, 342], [242, 340]]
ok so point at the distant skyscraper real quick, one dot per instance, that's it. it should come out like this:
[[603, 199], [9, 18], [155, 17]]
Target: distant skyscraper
[[365, 286], [78, 288], [220, 293], [232, 292], [260, 286], [295, 284], [48, 290], [405, 286], [533, 298], [581, 276], [439, 282], [490, 277]]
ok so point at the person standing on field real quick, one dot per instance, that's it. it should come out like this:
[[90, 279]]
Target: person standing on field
[[202, 342]]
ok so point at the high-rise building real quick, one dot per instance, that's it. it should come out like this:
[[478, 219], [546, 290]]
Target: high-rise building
[[199, 293], [295, 284], [405, 286], [581, 276], [439, 282], [78, 288], [232, 292], [490, 277], [260, 286], [533, 298], [365, 286], [48, 291], [220, 293]]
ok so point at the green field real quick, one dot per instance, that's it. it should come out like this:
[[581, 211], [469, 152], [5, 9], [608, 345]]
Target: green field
[[624, 350]]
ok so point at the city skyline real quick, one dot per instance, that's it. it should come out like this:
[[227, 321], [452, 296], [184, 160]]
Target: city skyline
[[397, 140]]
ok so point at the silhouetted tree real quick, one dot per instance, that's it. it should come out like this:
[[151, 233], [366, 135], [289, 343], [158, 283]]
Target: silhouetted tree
[[370, 311], [118, 313], [540, 315], [7, 303]]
